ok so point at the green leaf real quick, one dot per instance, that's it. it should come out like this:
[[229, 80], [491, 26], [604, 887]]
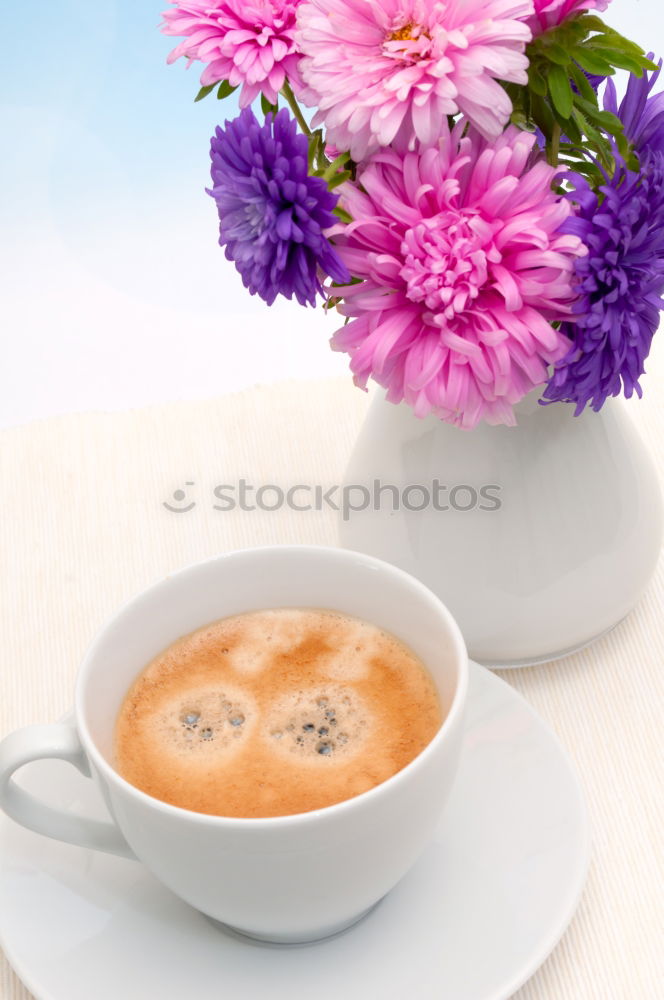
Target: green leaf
[[225, 90], [575, 28], [569, 128], [605, 120], [611, 39], [557, 54], [342, 214], [631, 160], [609, 122], [268, 107], [204, 91], [316, 146], [591, 62], [543, 116], [586, 128], [583, 84], [592, 23], [649, 64], [339, 179], [536, 81], [595, 140], [582, 167], [620, 59], [522, 121], [560, 90], [614, 43]]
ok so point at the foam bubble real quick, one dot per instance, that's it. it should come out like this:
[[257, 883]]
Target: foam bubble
[[199, 722], [305, 723]]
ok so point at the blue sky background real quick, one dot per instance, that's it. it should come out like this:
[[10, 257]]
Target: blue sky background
[[114, 290], [105, 137]]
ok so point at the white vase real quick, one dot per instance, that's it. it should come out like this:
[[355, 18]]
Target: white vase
[[560, 538]]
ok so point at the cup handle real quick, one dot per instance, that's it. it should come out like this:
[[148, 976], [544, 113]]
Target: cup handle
[[61, 742]]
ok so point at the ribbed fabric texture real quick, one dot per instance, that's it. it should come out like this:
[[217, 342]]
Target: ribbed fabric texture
[[83, 528]]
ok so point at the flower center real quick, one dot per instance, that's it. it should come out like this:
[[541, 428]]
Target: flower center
[[410, 41], [401, 34], [446, 261]]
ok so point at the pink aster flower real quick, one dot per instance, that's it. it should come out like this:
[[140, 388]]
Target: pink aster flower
[[245, 43], [376, 68], [549, 13], [464, 269]]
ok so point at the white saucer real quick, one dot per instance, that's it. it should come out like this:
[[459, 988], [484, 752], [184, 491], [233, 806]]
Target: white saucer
[[472, 921]]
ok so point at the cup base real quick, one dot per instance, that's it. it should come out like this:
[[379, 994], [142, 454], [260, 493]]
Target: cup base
[[291, 940]]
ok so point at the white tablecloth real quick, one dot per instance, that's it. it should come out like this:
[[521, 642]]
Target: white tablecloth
[[83, 527]]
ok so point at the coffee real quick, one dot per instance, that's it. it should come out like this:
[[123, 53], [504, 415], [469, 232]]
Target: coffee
[[277, 712]]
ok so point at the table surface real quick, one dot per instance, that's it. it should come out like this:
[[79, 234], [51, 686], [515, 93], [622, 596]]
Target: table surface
[[84, 528]]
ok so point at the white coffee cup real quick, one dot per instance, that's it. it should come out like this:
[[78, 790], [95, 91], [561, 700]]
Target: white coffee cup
[[287, 879]]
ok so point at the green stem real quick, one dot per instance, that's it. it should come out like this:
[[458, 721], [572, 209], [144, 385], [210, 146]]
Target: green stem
[[336, 165], [554, 148], [295, 107], [342, 214]]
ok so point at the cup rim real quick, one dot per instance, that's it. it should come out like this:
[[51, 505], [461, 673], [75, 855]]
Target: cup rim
[[237, 823]]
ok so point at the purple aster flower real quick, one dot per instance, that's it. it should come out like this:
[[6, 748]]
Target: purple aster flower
[[640, 111], [273, 215], [621, 281], [620, 285]]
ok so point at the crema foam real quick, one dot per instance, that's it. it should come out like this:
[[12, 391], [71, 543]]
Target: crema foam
[[276, 712]]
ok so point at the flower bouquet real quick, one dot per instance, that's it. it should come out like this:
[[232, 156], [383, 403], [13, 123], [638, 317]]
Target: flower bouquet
[[469, 193], [459, 180]]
